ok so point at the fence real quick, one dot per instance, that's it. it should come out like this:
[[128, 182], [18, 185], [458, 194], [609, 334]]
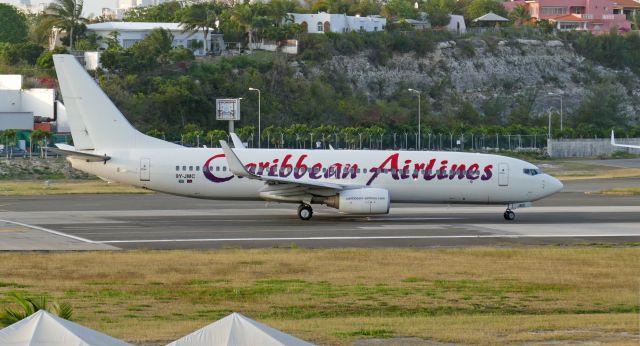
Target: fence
[[589, 147]]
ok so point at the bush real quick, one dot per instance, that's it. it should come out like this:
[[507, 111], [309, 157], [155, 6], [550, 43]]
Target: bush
[[45, 60], [12, 54]]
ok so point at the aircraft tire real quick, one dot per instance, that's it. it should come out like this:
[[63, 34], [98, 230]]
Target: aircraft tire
[[305, 212], [509, 215]]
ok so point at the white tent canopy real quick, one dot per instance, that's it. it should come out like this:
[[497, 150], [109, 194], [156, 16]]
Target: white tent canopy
[[238, 330], [490, 17], [43, 328]]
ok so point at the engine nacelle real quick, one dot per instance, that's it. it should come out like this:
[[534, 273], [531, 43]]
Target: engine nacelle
[[361, 201]]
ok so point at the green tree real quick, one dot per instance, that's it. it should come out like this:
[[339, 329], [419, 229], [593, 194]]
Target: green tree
[[13, 26], [10, 136], [31, 305], [603, 110], [40, 137], [438, 12], [66, 14], [520, 15], [201, 16], [242, 18], [399, 9], [273, 135], [246, 132], [215, 136], [155, 133], [479, 8], [166, 12]]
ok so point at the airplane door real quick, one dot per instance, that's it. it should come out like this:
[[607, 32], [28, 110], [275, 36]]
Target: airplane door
[[145, 170], [503, 174]]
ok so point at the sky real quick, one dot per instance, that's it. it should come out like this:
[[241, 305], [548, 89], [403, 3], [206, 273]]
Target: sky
[[90, 6]]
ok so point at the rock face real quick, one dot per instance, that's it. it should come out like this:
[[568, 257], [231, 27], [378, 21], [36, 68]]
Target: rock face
[[476, 70], [19, 168]]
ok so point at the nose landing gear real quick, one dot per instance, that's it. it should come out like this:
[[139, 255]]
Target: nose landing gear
[[305, 212], [509, 215]]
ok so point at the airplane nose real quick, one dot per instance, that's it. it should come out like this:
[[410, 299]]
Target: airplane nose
[[555, 185]]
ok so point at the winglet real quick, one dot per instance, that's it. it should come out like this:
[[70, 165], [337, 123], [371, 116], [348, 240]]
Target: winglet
[[613, 142], [235, 165], [613, 139], [237, 142]]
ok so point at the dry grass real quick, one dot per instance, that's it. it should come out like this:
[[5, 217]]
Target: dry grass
[[629, 191], [336, 296], [58, 187], [576, 170]]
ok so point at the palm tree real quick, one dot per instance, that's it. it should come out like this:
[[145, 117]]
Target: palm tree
[[242, 17], [520, 15], [66, 14], [30, 306], [202, 16], [215, 136]]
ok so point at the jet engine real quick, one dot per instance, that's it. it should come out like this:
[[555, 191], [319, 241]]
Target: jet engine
[[361, 201]]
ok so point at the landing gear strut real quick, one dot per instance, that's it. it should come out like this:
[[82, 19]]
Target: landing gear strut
[[509, 215], [305, 212]]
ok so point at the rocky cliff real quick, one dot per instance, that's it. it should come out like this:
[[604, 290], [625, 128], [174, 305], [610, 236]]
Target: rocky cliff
[[481, 70]]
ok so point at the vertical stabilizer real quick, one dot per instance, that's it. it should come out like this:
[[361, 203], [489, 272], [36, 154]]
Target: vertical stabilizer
[[95, 122]]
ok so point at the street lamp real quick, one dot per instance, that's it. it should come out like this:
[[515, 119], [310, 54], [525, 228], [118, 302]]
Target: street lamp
[[418, 93], [259, 129], [558, 94]]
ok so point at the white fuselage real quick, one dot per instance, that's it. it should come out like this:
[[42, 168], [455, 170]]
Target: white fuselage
[[409, 176]]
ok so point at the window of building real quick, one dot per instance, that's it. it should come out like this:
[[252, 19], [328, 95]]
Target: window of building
[[320, 27], [128, 43], [570, 25], [557, 11]]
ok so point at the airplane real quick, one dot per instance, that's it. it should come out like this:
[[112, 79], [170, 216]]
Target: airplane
[[613, 142], [363, 182]]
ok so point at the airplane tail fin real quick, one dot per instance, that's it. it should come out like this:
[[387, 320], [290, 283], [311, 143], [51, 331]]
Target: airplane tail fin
[[95, 122]]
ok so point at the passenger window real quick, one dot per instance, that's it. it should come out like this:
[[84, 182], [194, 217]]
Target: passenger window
[[191, 168], [224, 168], [364, 170], [217, 168], [177, 168], [184, 168], [197, 168], [210, 168]]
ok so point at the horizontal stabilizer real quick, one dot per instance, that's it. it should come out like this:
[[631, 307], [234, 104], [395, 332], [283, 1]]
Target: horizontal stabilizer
[[67, 150]]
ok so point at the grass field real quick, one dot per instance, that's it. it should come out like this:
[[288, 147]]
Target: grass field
[[63, 187], [480, 295]]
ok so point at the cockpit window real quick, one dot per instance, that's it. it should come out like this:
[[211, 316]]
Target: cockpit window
[[532, 171]]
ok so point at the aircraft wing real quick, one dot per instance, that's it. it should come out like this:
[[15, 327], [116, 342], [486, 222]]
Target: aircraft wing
[[237, 168], [67, 150], [613, 142]]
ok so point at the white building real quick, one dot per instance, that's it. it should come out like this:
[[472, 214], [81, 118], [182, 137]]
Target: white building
[[328, 22], [19, 108], [132, 32]]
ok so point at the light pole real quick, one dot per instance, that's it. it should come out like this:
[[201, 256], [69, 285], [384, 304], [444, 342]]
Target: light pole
[[259, 130], [560, 95], [417, 92]]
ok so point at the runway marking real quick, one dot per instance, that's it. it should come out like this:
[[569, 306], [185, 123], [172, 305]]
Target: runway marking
[[49, 231], [514, 236]]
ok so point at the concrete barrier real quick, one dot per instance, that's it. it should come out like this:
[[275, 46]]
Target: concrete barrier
[[589, 147]]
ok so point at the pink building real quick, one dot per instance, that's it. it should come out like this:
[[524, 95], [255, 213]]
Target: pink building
[[597, 16]]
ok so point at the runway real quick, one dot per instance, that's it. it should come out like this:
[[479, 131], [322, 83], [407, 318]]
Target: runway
[[160, 221]]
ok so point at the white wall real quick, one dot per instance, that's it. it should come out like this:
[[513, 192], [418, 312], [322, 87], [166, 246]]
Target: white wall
[[62, 122], [10, 101], [10, 82], [339, 22], [39, 102], [128, 38], [16, 121], [457, 23], [92, 60]]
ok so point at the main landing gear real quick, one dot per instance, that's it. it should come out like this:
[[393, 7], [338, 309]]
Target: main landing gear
[[509, 215], [305, 212]]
